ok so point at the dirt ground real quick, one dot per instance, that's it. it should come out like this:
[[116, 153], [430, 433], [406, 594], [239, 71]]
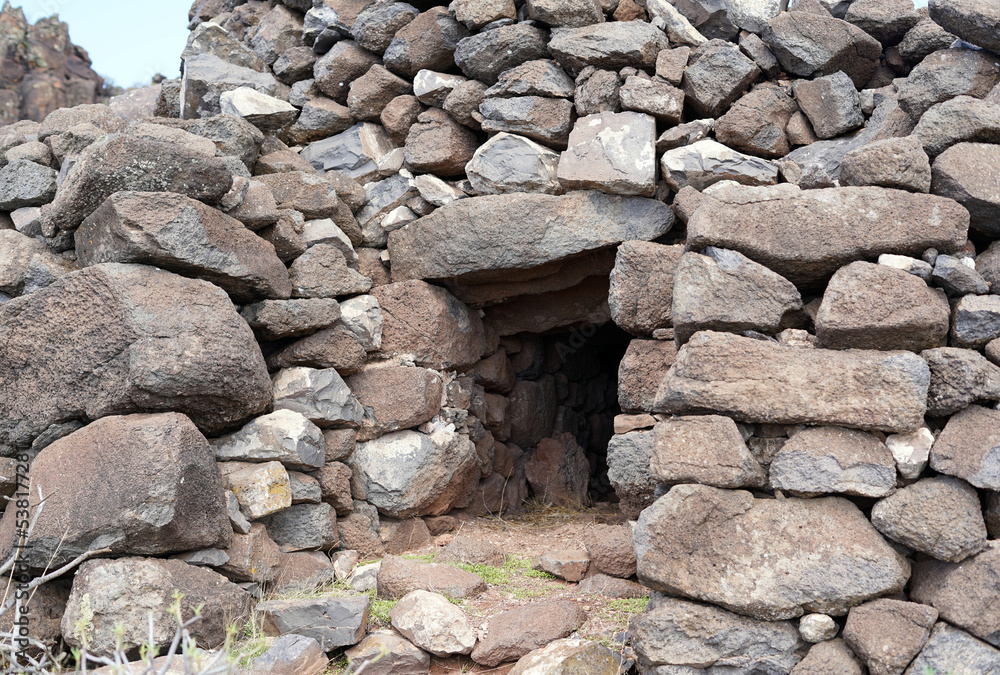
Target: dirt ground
[[539, 530]]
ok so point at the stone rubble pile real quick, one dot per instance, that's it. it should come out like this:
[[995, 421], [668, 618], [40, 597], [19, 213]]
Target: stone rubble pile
[[357, 274]]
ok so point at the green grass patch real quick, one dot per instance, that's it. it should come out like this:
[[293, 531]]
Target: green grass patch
[[495, 576], [629, 605]]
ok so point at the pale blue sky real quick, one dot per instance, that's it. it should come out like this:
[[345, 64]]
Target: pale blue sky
[[128, 40]]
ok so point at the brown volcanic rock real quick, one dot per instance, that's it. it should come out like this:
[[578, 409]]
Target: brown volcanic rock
[[122, 162], [399, 576], [42, 70], [429, 323], [964, 593], [886, 634], [160, 492], [806, 235], [641, 371], [756, 381], [967, 447], [122, 591], [180, 234], [868, 306], [706, 449], [765, 558], [114, 339], [395, 397], [512, 634], [642, 286], [519, 232], [811, 45]]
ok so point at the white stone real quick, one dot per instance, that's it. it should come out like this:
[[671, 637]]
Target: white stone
[[510, 163], [319, 394], [667, 18], [391, 162], [817, 628], [397, 218], [573, 655], [343, 563], [261, 110], [261, 489], [708, 162], [325, 231], [911, 451], [363, 317], [436, 191], [365, 577], [432, 623], [907, 264], [753, 15], [432, 88], [284, 436], [611, 152]]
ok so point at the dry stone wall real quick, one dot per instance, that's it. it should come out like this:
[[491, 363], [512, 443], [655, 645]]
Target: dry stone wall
[[369, 267]]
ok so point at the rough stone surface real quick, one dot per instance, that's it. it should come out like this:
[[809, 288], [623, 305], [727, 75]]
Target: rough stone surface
[[899, 163], [611, 152], [886, 634], [284, 435], [432, 623], [803, 386], [703, 449], [832, 656], [969, 173], [512, 634], [123, 591], [610, 550], [642, 285], [687, 636], [707, 162], [120, 162], [831, 103], [959, 377], [868, 306], [547, 228], [429, 324], [822, 230], [510, 163], [812, 45], [962, 593], [409, 473], [628, 471], [717, 74], [612, 46], [939, 516], [726, 291], [567, 656], [161, 355], [333, 622], [318, 394], [166, 495], [974, 21], [833, 459], [756, 123], [486, 55], [831, 531], [182, 235], [395, 655], [950, 649], [969, 446]]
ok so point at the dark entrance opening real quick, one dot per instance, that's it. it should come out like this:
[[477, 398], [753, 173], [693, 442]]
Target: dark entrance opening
[[562, 410]]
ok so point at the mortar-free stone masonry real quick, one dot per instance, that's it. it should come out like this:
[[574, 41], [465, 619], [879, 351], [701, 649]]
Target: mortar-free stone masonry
[[372, 268]]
